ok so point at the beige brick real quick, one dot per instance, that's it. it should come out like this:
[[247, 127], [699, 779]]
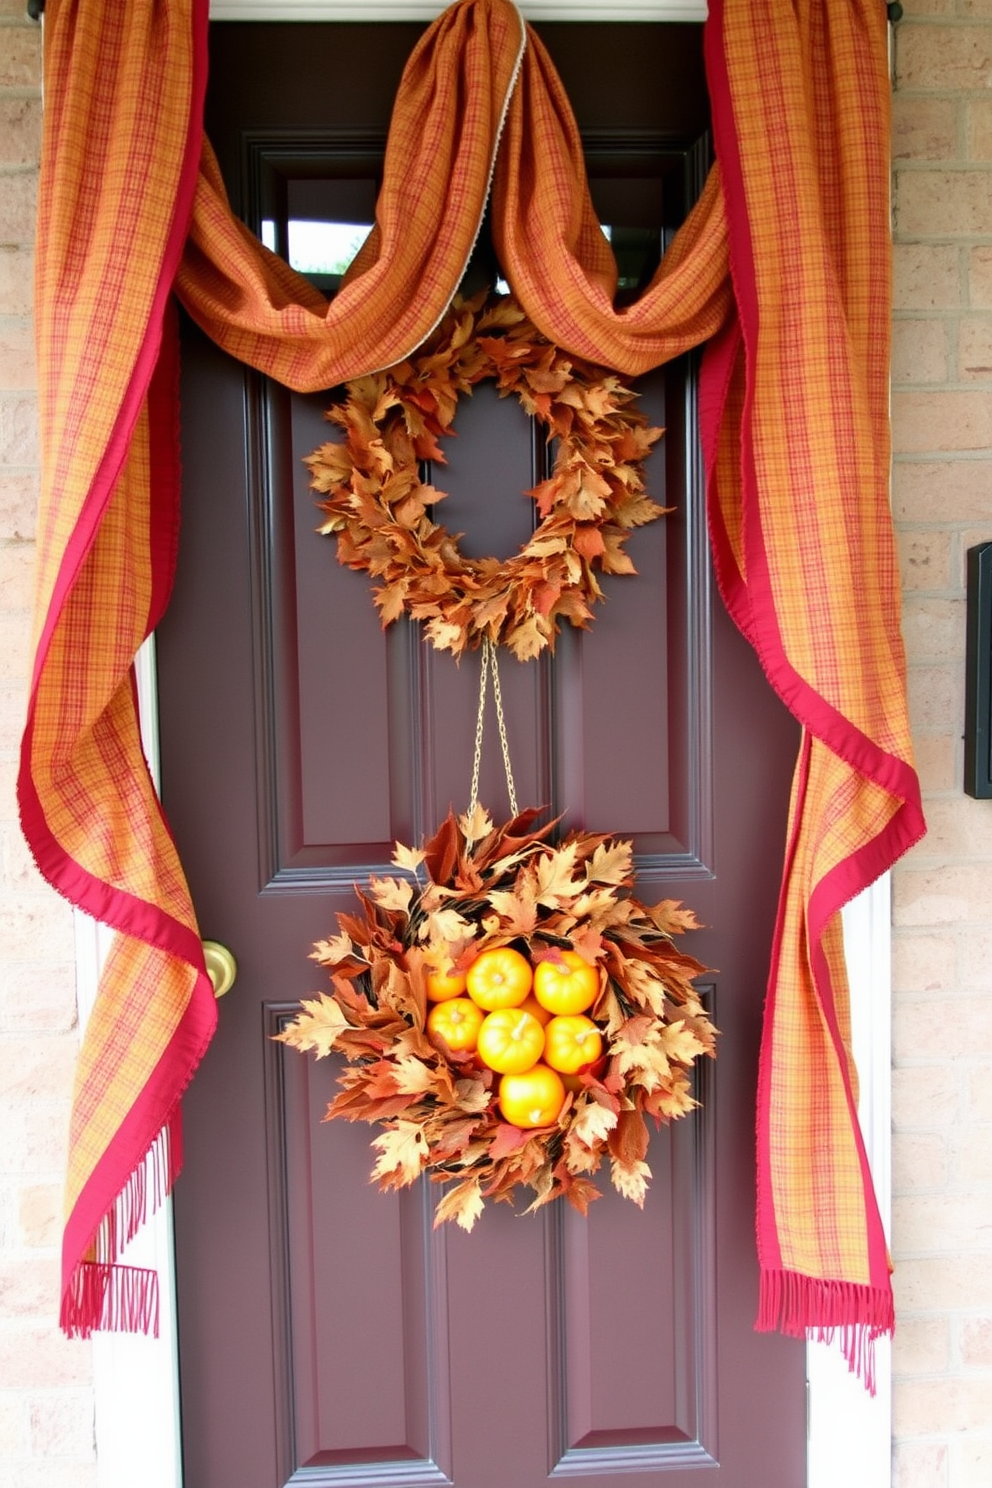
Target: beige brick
[[17, 365], [923, 963], [36, 1068], [925, 1096], [919, 351], [15, 646], [36, 1136], [921, 1346], [62, 1425], [28, 921], [977, 1092], [934, 629], [39, 1215], [978, 129], [925, 1407], [975, 349], [942, 896], [924, 128], [20, 131], [41, 1358], [16, 576], [933, 1283], [949, 202], [975, 953], [945, 57], [961, 828], [975, 1342], [971, 1156], [925, 276], [951, 1223], [13, 705], [942, 490], [919, 1163], [939, 421], [38, 997], [919, 1465], [17, 279], [20, 57], [974, 1462], [18, 430], [14, 1429], [18, 206], [18, 873], [980, 277], [921, 1027], [936, 694], [18, 506], [936, 764], [924, 560], [29, 1287]]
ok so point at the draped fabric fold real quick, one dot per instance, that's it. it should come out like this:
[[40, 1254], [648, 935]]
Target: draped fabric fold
[[781, 268]]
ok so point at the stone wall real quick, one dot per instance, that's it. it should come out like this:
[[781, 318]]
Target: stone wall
[[942, 408]]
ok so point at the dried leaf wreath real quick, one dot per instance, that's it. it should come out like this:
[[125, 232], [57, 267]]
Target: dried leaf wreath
[[475, 886], [378, 505]]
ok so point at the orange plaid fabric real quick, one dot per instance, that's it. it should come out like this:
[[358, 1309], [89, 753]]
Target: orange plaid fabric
[[781, 268]]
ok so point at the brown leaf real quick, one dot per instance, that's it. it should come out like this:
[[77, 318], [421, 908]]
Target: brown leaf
[[403, 1152], [317, 1028], [463, 1204], [631, 1180], [671, 918]]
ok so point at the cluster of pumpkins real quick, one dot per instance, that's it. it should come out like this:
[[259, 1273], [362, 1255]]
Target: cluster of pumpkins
[[527, 1023]]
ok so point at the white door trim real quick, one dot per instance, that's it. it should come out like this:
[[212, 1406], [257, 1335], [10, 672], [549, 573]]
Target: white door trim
[[136, 1379]]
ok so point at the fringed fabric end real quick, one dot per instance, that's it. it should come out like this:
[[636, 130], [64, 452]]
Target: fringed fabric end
[[145, 1191], [110, 1298], [101, 1293], [804, 1306]]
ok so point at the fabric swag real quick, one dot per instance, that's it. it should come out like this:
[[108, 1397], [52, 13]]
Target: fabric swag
[[782, 269]]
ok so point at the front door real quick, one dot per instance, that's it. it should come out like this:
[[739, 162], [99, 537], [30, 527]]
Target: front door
[[328, 1336]]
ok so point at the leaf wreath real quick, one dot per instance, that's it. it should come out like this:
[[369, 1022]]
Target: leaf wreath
[[486, 886], [379, 508]]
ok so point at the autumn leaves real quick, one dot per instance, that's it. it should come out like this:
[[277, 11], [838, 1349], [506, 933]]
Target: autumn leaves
[[380, 510], [476, 888]]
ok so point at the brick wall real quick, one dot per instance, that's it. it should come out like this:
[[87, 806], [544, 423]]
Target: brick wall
[[942, 483], [942, 407], [46, 1406]]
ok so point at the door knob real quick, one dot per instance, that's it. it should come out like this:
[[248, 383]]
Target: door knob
[[221, 966]]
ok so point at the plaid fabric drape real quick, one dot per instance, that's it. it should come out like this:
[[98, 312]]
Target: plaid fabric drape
[[781, 268]]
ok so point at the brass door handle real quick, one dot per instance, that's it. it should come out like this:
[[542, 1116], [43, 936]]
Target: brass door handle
[[222, 969]]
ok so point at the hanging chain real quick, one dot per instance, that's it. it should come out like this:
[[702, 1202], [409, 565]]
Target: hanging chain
[[489, 655]]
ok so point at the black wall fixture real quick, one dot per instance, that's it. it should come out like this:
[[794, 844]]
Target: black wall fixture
[[978, 683]]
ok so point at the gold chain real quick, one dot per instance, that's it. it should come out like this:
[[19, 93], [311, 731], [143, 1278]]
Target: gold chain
[[489, 655]]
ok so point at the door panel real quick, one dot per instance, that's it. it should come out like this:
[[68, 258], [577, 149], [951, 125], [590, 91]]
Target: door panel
[[328, 1335]]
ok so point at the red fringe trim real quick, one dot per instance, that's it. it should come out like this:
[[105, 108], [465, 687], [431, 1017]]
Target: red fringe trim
[[103, 1295], [804, 1306]]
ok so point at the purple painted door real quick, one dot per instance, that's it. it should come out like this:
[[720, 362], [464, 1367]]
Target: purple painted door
[[328, 1336]]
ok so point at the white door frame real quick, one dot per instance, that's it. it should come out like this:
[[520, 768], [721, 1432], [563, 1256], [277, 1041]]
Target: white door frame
[[136, 1379]]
